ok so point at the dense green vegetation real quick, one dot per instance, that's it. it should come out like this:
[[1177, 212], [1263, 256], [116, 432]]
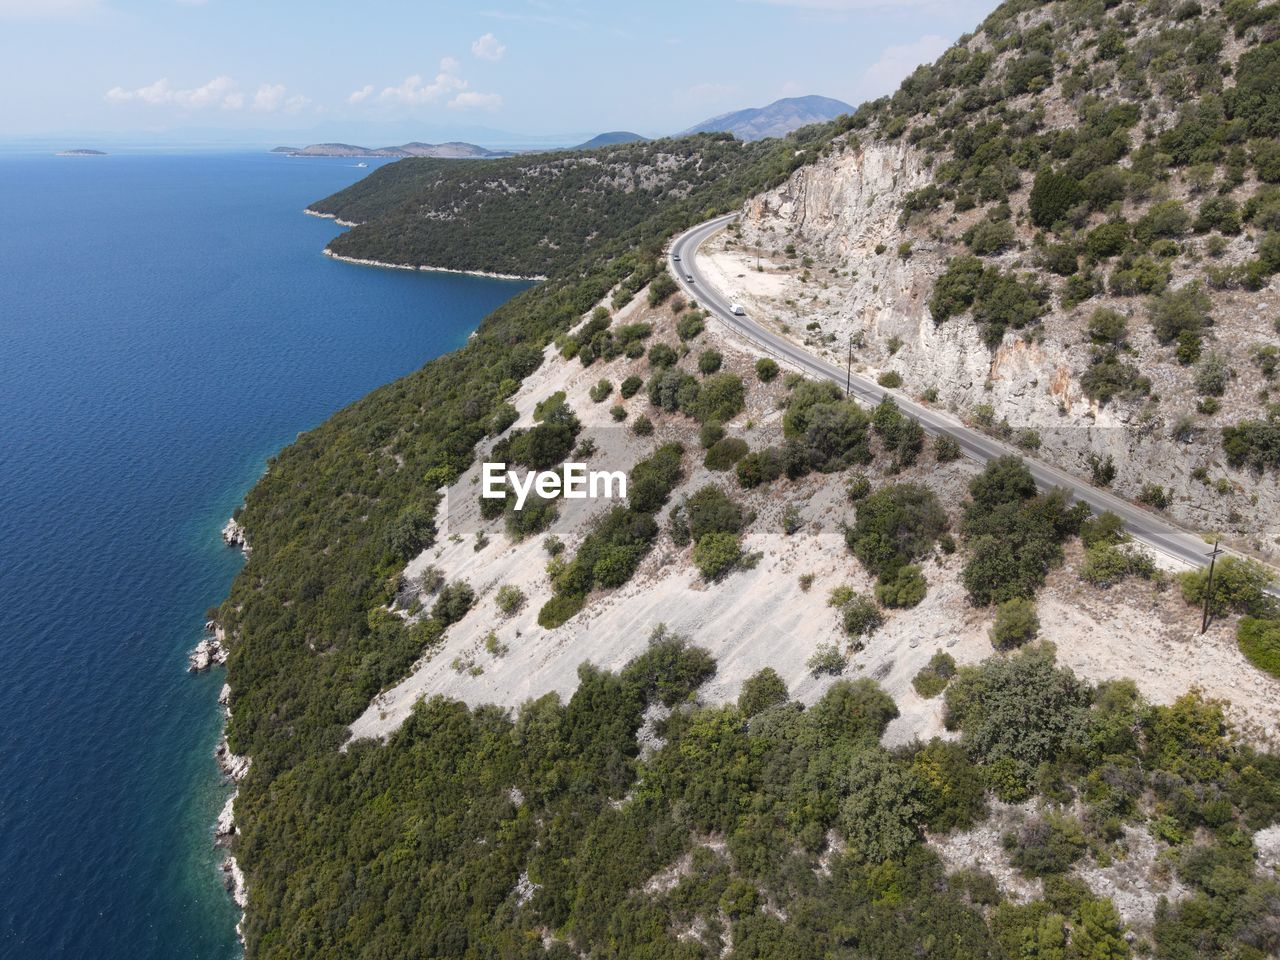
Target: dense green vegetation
[[545, 214], [487, 833]]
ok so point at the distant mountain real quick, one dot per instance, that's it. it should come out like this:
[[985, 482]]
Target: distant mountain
[[81, 153], [454, 150], [610, 139], [776, 120]]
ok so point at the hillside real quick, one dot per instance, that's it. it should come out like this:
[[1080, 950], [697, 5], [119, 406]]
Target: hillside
[[820, 686], [453, 150], [610, 139], [775, 120], [532, 215], [1063, 231]]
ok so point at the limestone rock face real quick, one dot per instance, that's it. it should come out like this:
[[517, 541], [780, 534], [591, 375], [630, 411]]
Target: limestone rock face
[[233, 535], [843, 216]]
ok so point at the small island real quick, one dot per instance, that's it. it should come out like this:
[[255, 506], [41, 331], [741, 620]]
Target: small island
[[80, 153]]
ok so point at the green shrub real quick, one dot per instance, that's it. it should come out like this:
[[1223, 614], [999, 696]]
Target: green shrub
[[724, 453], [766, 370], [618, 412], [716, 554], [1016, 624], [630, 387], [711, 511], [986, 238], [1175, 312], [600, 392], [1108, 327], [1260, 643], [1239, 584], [890, 379], [642, 426], [934, 677], [895, 526], [690, 326], [560, 609], [509, 599], [662, 355], [1052, 196], [826, 659], [860, 617], [1046, 845], [759, 466], [946, 449], [905, 588], [761, 690], [709, 361], [883, 807], [721, 398]]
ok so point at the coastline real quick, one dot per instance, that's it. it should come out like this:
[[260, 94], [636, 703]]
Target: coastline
[[408, 266], [330, 216], [210, 651]]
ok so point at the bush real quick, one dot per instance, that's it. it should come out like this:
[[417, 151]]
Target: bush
[[1239, 584], [1046, 845], [630, 387], [721, 398], [946, 449], [600, 392], [724, 453], [1109, 327], [710, 511], [716, 554], [1175, 312], [986, 238], [1260, 642], [883, 807], [1107, 240], [860, 617], [1253, 443], [895, 526], [1016, 624], [1212, 375], [1107, 564], [935, 676], [709, 361], [826, 659], [1052, 196], [660, 288], [509, 598], [766, 370], [453, 602], [618, 412], [690, 326], [759, 466], [1018, 711], [890, 379], [905, 588], [662, 355], [642, 426], [761, 691], [1168, 219], [560, 609]]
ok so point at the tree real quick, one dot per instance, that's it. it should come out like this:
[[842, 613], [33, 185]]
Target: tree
[[766, 370], [760, 691], [905, 588], [711, 511], [709, 361], [716, 554], [1016, 624], [895, 526], [1098, 932], [883, 806], [721, 398], [1052, 195]]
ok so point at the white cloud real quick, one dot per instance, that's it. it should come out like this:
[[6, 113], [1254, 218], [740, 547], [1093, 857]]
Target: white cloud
[[470, 100], [414, 91], [274, 96], [45, 9], [218, 92], [488, 47], [897, 62], [361, 95]]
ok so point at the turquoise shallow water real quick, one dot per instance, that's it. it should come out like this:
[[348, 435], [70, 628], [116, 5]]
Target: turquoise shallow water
[[166, 323]]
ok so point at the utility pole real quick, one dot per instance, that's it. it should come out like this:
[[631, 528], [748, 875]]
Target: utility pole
[[848, 369], [1208, 589]]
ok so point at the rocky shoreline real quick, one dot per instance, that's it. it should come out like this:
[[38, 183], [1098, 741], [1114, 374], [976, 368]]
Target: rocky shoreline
[[329, 216], [212, 650], [409, 266]]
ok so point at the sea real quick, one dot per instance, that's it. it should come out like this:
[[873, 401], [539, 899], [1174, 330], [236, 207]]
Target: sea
[[167, 322]]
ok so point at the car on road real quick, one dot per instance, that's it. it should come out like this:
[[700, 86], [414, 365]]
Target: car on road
[[738, 310], [675, 257], [689, 277]]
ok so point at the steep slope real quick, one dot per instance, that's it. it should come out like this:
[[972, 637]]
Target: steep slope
[[1065, 229], [774, 120], [454, 149]]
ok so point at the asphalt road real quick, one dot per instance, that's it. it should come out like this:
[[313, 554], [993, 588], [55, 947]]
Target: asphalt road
[[1143, 525]]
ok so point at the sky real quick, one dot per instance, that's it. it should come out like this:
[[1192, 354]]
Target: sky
[[493, 71]]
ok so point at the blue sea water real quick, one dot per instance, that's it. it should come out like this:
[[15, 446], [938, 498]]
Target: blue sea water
[[166, 323]]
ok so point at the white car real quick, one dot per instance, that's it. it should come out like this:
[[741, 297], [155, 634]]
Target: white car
[[738, 310], [675, 257], [689, 277]]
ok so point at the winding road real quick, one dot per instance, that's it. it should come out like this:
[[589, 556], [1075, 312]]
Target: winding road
[[1143, 525]]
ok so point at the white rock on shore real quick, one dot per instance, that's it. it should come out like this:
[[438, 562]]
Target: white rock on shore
[[210, 650], [233, 535], [233, 880], [233, 765]]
